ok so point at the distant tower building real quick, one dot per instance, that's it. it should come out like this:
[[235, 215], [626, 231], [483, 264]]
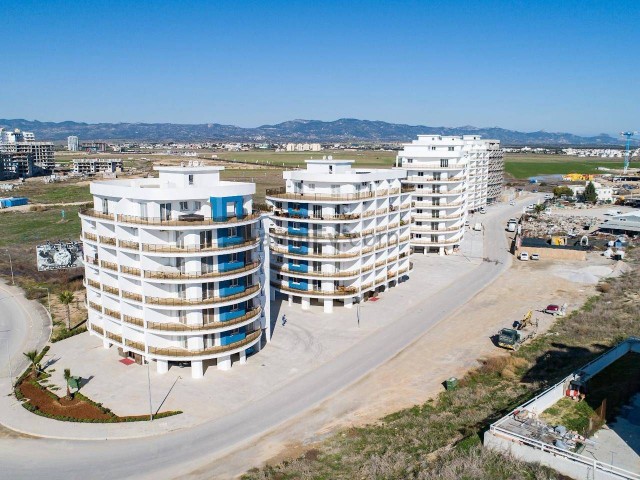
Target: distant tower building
[[73, 145]]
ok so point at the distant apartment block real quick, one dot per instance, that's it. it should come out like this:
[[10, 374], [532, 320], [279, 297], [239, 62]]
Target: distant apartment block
[[173, 268], [73, 144], [339, 234], [451, 175], [303, 147], [91, 166], [21, 156], [94, 147]]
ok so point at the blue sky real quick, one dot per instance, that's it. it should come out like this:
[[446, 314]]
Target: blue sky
[[527, 65]]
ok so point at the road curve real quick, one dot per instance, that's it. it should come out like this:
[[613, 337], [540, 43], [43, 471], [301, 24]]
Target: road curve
[[178, 453]]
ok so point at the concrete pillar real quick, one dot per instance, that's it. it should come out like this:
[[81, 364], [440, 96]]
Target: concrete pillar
[[272, 294], [348, 302], [290, 300], [441, 251], [306, 303], [424, 250], [328, 306], [243, 357], [162, 366], [197, 370], [224, 363], [105, 343]]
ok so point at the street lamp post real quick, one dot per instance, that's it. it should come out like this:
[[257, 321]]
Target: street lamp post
[[13, 282], [149, 388]]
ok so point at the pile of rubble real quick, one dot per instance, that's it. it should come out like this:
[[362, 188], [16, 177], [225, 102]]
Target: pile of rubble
[[545, 225]]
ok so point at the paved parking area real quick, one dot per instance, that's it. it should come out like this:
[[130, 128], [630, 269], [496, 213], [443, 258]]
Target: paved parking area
[[309, 339]]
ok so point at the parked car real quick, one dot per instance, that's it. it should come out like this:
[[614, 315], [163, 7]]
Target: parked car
[[483, 210], [535, 256], [554, 310], [512, 203], [524, 256]]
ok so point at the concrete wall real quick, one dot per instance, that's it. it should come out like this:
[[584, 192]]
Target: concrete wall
[[554, 253]]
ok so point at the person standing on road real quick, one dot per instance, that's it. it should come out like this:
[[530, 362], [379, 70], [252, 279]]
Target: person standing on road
[[284, 320]]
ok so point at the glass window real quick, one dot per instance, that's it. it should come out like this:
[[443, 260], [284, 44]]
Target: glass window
[[184, 206], [190, 179]]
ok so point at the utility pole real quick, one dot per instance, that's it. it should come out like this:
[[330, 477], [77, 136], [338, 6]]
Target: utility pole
[[48, 297]]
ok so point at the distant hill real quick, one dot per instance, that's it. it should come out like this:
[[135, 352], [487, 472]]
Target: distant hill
[[343, 130]]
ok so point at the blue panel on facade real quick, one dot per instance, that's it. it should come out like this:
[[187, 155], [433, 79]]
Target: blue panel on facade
[[301, 285], [219, 207], [230, 315], [227, 338], [301, 250], [227, 266], [301, 267], [303, 229], [301, 210]]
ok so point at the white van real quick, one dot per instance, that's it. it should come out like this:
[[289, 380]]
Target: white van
[[477, 227], [524, 256]]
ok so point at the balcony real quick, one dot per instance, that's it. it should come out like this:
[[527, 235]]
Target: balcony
[[109, 265], [95, 306], [112, 313], [301, 250], [290, 249], [153, 248], [128, 244], [108, 240], [130, 270], [97, 329], [93, 283], [280, 232], [239, 267], [111, 290], [286, 269], [309, 197], [181, 352], [340, 292], [338, 216], [90, 212], [158, 221], [181, 327], [177, 302], [132, 296], [90, 236], [92, 261]]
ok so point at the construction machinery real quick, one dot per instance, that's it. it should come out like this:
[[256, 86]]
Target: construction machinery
[[627, 150], [521, 331]]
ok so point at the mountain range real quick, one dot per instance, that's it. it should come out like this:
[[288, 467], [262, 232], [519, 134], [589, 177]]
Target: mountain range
[[342, 130]]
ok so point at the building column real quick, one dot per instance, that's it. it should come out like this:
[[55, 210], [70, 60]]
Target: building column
[[162, 366], [272, 294], [328, 306], [424, 250], [105, 343], [306, 303], [197, 370], [243, 357], [224, 363], [348, 302], [441, 251], [290, 300]]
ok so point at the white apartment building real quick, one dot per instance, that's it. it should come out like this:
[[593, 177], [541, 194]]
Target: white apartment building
[[303, 147], [91, 166], [339, 234], [604, 192], [173, 268], [451, 175], [73, 143]]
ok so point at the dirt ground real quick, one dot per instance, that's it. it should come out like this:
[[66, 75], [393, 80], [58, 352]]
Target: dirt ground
[[416, 374]]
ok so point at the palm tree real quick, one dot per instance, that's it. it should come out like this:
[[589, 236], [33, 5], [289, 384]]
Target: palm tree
[[67, 377], [66, 298], [35, 357]]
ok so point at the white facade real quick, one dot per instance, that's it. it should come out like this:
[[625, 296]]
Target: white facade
[[339, 234], [73, 144], [26, 156], [605, 194], [172, 268], [451, 175]]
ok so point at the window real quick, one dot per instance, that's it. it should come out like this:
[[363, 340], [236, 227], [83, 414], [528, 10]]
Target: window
[[165, 211], [197, 206], [434, 238], [444, 163], [435, 201], [420, 186], [434, 225], [421, 174], [190, 179], [451, 149], [330, 168], [233, 231], [105, 205], [184, 206], [433, 148], [233, 282], [182, 317], [436, 214], [409, 160]]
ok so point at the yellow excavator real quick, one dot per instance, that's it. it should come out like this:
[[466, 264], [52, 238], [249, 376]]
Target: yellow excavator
[[523, 330]]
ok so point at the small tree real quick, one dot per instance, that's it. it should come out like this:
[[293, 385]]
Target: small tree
[[66, 298], [562, 190], [541, 207], [35, 357], [590, 194], [67, 377]]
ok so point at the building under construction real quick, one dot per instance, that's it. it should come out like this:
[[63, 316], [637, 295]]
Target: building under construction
[[496, 171], [91, 166], [21, 156]]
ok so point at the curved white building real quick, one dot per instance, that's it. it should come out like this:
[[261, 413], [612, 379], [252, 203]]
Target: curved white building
[[172, 268], [439, 171], [339, 234]]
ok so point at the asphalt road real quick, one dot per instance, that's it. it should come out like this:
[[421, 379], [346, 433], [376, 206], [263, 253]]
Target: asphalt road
[[178, 453]]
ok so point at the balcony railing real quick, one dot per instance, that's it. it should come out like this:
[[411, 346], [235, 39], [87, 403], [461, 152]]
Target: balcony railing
[[93, 283], [113, 336], [91, 260], [181, 327], [184, 223], [146, 247], [130, 270], [132, 296], [327, 236], [311, 273], [90, 236], [133, 320], [95, 306], [181, 352], [336, 216], [108, 240], [97, 329], [188, 276], [112, 313], [200, 301], [90, 212], [340, 291], [129, 244], [109, 265], [310, 254], [282, 193], [111, 290]]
